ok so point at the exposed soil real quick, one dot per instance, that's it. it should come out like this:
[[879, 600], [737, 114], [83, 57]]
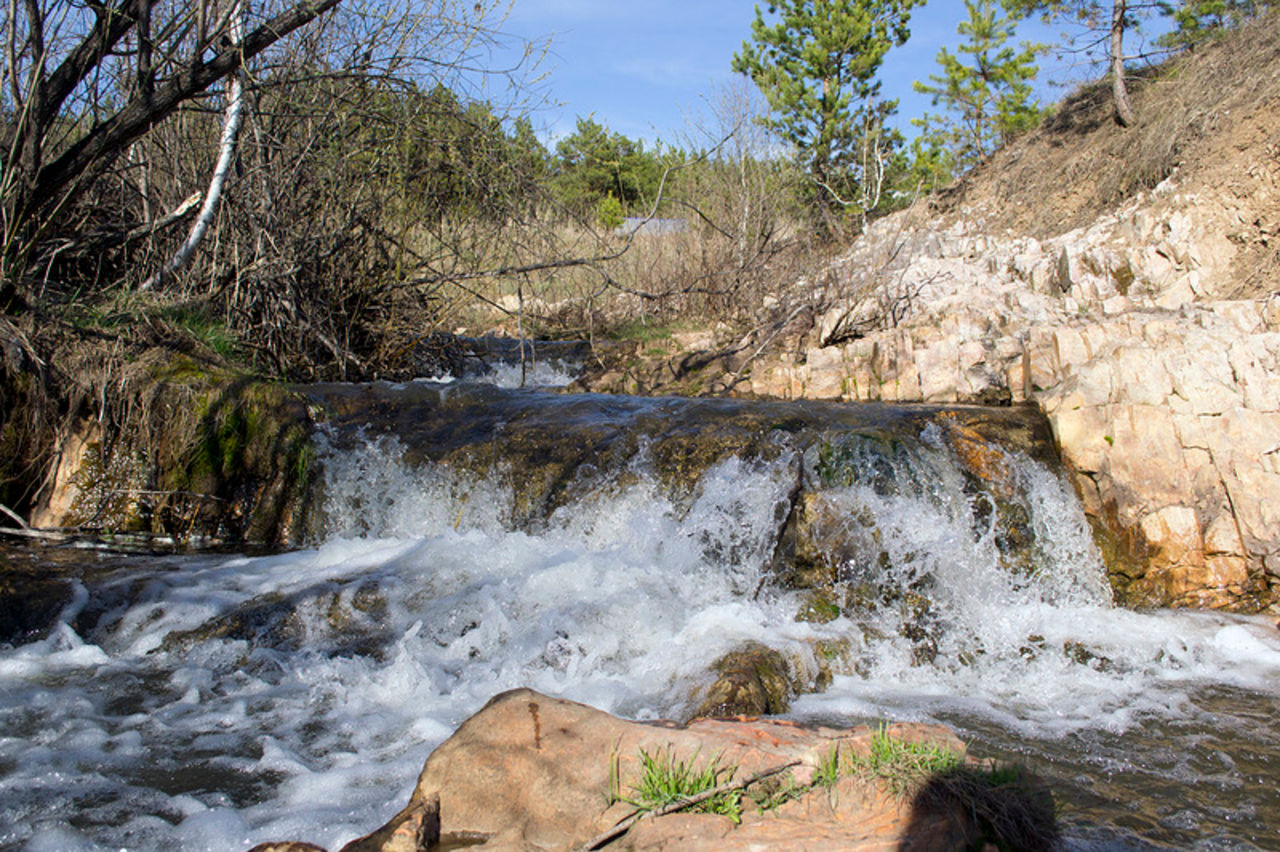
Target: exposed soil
[[1209, 118]]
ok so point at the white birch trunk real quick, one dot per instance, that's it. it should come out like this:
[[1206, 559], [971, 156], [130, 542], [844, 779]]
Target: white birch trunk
[[226, 155]]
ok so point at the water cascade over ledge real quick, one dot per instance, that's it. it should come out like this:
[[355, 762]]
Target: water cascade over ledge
[[909, 563]]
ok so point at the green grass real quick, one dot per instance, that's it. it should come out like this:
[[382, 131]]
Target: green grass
[[666, 781], [211, 332], [1009, 809], [828, 771], [640, 330], [901, 765]]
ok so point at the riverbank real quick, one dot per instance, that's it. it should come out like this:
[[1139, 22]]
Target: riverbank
[[1124, 281]]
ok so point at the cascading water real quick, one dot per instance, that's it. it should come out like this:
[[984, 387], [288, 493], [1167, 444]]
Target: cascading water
[[213, 702]]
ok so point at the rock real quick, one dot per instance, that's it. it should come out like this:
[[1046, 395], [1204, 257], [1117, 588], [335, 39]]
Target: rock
[[753, 681], [1163, 395], [414, 828], [207, 456], [530, 772]]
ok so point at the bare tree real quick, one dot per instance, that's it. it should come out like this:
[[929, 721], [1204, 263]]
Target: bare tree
[[85, 81]]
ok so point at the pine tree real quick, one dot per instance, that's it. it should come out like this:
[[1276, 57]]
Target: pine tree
[[594, 163], [816, 68], [1123, 15], [1198, 20], [985, 90]]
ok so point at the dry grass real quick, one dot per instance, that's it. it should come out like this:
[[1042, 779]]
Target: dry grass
[[653, 278], [1201, 113]]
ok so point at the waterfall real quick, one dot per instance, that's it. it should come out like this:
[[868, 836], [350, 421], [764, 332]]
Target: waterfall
[[610, 551]]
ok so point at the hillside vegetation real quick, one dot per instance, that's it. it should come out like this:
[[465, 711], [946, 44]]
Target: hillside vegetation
[[1210, 120]]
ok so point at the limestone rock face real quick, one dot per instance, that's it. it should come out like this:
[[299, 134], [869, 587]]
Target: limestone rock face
[[1162, 388], [529, 772]]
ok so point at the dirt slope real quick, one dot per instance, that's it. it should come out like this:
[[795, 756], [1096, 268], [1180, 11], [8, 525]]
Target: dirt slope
[[1210, 119]]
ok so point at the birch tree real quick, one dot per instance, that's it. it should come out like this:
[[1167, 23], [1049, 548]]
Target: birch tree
[[83, 81], [226, 153]]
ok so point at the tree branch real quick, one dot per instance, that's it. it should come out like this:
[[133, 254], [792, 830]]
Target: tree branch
[[136, 117]]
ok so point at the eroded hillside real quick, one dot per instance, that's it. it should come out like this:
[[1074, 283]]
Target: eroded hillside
[[1209, 120]]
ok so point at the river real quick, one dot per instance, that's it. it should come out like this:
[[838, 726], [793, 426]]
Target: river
[[213, 701]]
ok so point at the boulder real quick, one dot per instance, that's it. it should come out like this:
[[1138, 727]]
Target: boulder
[[752, 681], [530, 772]]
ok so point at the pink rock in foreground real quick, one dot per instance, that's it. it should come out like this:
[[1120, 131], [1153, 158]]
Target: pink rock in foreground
[[530, 772]]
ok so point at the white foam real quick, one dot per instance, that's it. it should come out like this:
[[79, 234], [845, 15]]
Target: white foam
[[295, 696]]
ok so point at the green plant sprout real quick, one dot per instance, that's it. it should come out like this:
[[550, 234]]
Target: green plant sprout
[[828, 771], [665, 780]]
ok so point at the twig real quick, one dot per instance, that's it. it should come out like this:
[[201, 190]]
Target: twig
[[626, 822], [43, 535], [6, 510]]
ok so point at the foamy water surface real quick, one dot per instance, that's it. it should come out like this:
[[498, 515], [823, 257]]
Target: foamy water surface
[[216, 702]]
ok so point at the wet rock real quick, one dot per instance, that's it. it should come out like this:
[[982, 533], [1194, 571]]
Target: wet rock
[[324, 617], [753, 681], [208, 456], [552, 448], [415, 828], [29, 605]]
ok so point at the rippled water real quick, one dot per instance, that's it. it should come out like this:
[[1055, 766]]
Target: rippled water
[[214, 702]]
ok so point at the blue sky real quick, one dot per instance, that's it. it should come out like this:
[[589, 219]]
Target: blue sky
[[642, 66]]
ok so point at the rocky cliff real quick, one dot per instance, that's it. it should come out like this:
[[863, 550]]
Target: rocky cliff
[[1124, 280], [1150, 336], [1165, 398]]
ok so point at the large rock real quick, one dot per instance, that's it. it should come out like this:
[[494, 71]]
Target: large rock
[[204, 455], [1163, 394], [529, 772]]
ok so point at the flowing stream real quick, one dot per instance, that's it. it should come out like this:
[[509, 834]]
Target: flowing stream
[[217, 701]]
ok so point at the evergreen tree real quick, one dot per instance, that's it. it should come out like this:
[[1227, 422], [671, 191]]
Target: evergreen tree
[[1197, 20], [816, 68], [594, 163], [985, 90], [929, 164]]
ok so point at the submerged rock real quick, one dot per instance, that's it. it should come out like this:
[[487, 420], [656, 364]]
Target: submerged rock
[[530, 772], [753, 681]]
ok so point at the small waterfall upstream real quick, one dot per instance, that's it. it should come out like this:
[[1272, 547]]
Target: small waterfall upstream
[[610, 550]]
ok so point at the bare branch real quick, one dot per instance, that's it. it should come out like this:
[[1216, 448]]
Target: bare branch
[[138, 115]]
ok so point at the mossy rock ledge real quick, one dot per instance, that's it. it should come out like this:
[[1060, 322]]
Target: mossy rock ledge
[[198, 456]]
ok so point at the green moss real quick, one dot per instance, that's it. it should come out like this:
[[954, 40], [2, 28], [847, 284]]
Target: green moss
[[818, 608], [242, 465]]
